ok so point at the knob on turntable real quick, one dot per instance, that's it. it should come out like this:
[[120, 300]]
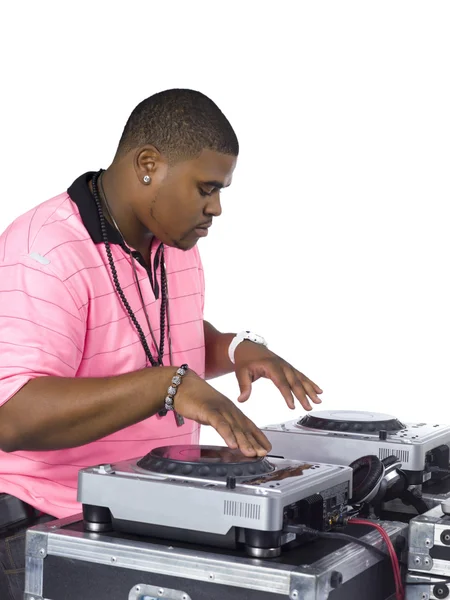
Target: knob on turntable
[[351, 422]]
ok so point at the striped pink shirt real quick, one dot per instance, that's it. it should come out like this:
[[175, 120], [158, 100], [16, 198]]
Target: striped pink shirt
[[60, 315]]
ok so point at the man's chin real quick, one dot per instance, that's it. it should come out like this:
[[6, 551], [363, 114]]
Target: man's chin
[[183, 244], [187, 242], [187, 245]]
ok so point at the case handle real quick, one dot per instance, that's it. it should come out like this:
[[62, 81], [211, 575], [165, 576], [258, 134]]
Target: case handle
[[142, 591]]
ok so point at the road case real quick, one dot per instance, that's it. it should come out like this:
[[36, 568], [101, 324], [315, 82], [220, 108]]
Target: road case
[[426, 587], [429, 543], [64, 562]]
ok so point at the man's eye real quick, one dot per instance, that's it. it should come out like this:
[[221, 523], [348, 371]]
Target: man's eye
[[204, 193]]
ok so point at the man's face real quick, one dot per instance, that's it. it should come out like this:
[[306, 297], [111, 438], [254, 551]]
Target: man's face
[[181, 201]]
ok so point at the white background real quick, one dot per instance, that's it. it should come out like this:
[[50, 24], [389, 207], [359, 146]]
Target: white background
[[334, 239]]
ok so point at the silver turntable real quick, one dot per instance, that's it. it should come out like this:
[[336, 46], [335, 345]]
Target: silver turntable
[[214, 495], [340, 437]]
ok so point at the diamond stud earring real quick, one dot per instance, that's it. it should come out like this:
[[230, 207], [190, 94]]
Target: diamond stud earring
[[146, 179]]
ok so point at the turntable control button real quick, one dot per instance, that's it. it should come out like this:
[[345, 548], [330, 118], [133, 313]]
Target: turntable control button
[[371, 427], [238, 471], [357, 427], [331, 425], [187, 469], [251, 469], [344, 426], [231, 483], [203, 471], [171, 467], [222, 471]]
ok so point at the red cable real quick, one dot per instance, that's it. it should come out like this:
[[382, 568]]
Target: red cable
[[392, 554], [399, 592]]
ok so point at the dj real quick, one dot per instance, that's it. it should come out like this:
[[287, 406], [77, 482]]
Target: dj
[[100, 283]]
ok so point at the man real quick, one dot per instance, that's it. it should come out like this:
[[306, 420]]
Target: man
[[97, 285]]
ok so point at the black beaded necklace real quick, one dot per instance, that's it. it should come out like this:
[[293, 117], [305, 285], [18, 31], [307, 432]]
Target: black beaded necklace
[[164, 300]]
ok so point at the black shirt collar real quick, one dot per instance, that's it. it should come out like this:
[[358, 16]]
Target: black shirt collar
[[81, 195]]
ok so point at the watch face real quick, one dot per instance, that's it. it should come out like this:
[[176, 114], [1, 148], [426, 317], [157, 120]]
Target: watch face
[[254, 337]]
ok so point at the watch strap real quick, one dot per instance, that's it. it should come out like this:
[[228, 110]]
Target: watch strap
[[242, 336]]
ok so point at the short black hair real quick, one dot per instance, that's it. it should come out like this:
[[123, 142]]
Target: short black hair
[[180, 123]]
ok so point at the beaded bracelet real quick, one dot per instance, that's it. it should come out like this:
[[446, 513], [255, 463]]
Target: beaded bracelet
[[176, 380]]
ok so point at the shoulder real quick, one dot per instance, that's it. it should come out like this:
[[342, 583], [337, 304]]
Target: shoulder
[[43, 228], [49, 239]]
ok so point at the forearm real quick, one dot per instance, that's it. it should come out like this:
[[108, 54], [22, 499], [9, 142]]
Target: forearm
[[50, 413], [216, 350]]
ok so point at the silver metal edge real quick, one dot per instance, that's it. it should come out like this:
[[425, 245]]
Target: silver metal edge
[[34, 577], [35, 552], [209, 567], [165, 560], [138, 590], [32, 597], [438, 567], [350, 561], [421, 592]]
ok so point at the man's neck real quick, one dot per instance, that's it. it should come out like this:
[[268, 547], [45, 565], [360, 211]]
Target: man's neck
[[119, 212]]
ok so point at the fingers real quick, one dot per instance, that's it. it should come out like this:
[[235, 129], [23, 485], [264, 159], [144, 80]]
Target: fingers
[[249, 436], [239, 432], [317, 389], [245, 381], [290, 381], [299, 391], [277, 375], [302, 388], [259, 440], [309, 386], [223, 428]]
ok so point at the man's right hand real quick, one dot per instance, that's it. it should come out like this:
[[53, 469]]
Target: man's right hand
[[51, 413], [197, 400]]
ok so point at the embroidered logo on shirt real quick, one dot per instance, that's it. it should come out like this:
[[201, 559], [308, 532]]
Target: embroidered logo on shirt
[[39, 258]]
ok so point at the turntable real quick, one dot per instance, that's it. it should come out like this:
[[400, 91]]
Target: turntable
[[214, 495], [340, 437]]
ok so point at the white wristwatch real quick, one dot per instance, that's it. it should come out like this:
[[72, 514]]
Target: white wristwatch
[[240, 337]]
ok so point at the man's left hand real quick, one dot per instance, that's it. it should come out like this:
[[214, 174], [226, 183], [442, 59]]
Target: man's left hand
[[253, 361]]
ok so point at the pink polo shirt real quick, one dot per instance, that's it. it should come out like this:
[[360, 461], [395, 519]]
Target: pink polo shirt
[[61, 316]]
